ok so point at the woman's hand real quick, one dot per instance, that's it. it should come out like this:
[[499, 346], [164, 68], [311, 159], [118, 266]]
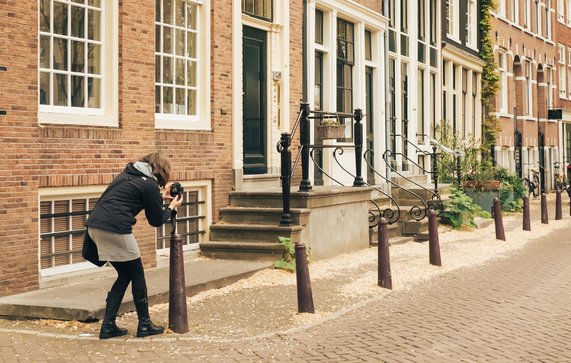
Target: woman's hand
[[167, 192], [176, 202]]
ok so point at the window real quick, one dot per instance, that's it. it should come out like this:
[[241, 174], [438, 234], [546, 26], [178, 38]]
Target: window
[[258, 8], [368, 50], [516, 11], [502, 8], [475, 105], [538, 17], [318, 87], [526, 14], [404, 113], [393, 104], [421, 19], [528, 89], [549, 77], [547, 21], [62, 227], [180, 70], [471, 25], [568, 12], [569, 69], [319, 26], [464, 102], [404, 16], [433, 105], [504, 83], [190, 222], [77, 62], [420, 112], [562, 83], [345, 62], [560, 11]]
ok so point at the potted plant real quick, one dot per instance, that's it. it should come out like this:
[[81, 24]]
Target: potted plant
[[330, 129], [482, 185]]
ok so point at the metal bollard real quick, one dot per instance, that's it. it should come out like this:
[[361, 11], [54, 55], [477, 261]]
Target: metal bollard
[[178, 315], [500, 234], [558, 208], [526, 218], [544, 214], [304, 295], [384, 269], [433, 242]]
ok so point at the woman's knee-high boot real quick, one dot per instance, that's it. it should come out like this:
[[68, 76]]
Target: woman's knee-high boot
[[108, 328], [146, 326]]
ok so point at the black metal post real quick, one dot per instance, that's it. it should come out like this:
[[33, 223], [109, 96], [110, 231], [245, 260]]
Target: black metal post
[[526, 218], [178, 316], [458, 169], [544, 213], [304, 295], [433, 241], [435, 169], [358, 132], [558, 208], [284, 149], [304, 141], [384, 278], [498, 221]]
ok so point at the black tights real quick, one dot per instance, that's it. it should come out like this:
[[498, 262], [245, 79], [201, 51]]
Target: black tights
[[129, 271]]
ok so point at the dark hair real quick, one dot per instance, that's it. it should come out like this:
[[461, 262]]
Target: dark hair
[[161, 167]]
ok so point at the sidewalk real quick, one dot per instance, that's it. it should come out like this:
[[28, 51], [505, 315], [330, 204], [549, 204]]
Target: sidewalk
[[265, 304]]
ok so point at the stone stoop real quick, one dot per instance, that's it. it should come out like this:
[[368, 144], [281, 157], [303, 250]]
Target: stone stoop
[[249, 227], [260, 182]]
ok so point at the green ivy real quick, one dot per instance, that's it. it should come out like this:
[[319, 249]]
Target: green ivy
[[288, 260]]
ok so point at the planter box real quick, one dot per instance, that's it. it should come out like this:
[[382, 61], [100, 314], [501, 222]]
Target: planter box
[[325, 132], [484, 199]]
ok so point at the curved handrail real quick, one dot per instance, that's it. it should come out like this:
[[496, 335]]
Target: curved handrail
[[435, 204]]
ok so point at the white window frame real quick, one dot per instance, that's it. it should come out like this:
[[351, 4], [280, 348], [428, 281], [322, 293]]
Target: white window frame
[[516, 11], [527, 14], [504, 83], [453, 13], [538, 15], [548, 19], [202, 119], [562, 71], [569, 70], [502, 8], [471, 23], [107, 114], [529, 88], [560, 11]]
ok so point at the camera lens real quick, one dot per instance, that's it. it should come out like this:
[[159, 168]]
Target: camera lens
[[176, 189]]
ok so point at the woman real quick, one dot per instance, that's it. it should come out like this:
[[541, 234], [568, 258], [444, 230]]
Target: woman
[[110, 226]]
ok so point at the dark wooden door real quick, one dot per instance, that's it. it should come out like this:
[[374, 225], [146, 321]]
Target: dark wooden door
[[369, 120], [254, 101]]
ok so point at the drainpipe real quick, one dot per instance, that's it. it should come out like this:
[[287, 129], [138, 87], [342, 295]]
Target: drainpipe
[[387, 101]]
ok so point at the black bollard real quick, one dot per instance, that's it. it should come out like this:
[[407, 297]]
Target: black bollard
[[544, 214], [526, 218], [498, 220], [304, 295], [384, 270], [558, 208], [433, 242], [178, 316]]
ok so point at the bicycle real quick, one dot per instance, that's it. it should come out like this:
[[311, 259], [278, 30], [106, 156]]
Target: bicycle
[[532, 186], [560, 181]]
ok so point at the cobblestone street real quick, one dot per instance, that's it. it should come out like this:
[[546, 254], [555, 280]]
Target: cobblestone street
[[509, 309]]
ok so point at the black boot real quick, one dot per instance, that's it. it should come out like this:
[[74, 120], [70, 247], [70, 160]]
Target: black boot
[[108, 328], [146, 326]]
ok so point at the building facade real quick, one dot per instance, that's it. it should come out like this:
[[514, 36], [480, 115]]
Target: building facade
[[562, 38], [525, 53]]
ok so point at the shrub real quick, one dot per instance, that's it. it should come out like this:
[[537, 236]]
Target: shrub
[[460, 210]]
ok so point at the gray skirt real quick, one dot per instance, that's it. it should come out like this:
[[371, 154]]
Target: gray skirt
[[115, 247]]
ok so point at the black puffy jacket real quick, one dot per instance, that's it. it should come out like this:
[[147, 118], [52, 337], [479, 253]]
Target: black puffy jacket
[[132, 192]]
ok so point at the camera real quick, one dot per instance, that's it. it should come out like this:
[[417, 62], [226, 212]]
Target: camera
[[176, 189]]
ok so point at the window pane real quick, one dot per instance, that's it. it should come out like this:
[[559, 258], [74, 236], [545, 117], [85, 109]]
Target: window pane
[[158, 68], [191, 73], [77, 91], [180, 73], [180, 106], [60, 18], [77, 56], [77, 22], [44, 52], [94, 56], [45, 15], [167, 11], [191, 10], [179, 12], [44, 88], [167, 100], [96, 3], [158, 10], [94, 92], [180, 42], [167, 70], [191, 45], [319, 27], [158, 99], [158, 38], [60, 54], [167, 40], [368, 50], [191, 102], [60, 89], [94, 25]]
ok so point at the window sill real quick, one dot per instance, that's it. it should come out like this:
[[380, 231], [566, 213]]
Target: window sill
[[180, 122], [85, 118]]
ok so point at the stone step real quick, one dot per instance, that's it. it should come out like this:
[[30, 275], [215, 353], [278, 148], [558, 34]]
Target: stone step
[[413, 228], [266, 216], [260, 182], [417, 178], [230, 232], [397, 240], [394, 231], [243, 250]]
